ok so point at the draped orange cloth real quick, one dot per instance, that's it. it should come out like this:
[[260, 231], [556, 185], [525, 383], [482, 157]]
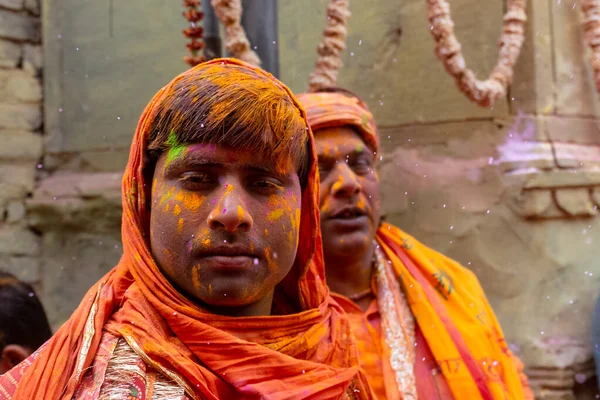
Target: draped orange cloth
[[446, 299], [306, 355]]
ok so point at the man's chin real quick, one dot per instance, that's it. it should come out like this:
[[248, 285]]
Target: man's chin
[[348, 243]]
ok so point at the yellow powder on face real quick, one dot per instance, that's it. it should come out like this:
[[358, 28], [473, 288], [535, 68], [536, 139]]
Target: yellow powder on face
[[266, 232], [361, 203], [179, 196], [196, 276], [176, 209], [193, 201], [338, 184], [206, 242], [154, 183], [167, 208], [180, 225], [240, 213], [275, 214], [271, 261]]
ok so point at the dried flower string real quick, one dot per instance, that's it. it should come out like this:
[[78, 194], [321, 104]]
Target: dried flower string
[[194, 33], [591, 32], [329, 60], [448, 50], [229, 13]]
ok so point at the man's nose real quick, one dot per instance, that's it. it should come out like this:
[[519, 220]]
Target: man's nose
[[347, 182], [230, 212]]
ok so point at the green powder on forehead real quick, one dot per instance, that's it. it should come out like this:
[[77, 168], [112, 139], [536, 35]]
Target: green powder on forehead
[[176, 149]]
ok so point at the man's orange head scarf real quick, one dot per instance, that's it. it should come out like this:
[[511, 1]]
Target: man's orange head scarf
[[339, 107], [308, 354]]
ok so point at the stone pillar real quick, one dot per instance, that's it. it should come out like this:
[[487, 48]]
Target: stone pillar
[[20, 133]]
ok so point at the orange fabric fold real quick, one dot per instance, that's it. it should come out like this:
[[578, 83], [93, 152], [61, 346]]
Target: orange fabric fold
[[305, 355], [456, 320], [336, 109]]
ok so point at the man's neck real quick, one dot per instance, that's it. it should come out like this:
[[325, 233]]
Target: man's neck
[[350, 275]]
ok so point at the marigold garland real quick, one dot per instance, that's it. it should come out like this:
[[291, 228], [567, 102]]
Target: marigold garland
[[329, 60], [448, 50], [194, 32], [229, 13], [591, 31]]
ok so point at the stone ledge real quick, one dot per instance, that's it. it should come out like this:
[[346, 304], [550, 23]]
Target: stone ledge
[[77, 201]]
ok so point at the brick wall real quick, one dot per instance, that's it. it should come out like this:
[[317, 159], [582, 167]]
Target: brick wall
[[21, 124]]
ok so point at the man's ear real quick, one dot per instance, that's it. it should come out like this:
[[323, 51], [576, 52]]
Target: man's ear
[[11, 356]]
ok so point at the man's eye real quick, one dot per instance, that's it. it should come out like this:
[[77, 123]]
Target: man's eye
[[362, 166], [195, 178], [268, 184]]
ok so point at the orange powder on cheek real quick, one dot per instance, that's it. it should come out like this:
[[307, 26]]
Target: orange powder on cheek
[[180, 225], [192, 201], [167, 207], [361, 203], [176, 209], [266, 232], [275, 214], [271, 261], [196, 276]]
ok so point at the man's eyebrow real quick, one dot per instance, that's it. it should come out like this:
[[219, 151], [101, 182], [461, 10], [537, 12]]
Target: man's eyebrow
[[203, 162]]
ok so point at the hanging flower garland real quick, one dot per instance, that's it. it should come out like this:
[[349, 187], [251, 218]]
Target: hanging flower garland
[[194, 33], [329, 60], [448, 50], [229, 13], [591, 31]]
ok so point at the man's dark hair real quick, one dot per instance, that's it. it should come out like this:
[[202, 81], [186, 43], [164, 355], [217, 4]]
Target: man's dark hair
[[22, 317], [233, 107]]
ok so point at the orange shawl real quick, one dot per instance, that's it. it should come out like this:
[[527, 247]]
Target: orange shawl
[[307, 355], [445, 298]]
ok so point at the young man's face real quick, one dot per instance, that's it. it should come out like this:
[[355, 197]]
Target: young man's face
[[349, 197], [224, 223]]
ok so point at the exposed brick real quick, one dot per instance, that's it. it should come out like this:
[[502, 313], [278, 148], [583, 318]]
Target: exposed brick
[[18, 241], [12, 4], [20, 145], [19, 26], [32, 59], [10, 53], [33, 6], [20, 175], [15, 211], [20, 116], [19, 86]]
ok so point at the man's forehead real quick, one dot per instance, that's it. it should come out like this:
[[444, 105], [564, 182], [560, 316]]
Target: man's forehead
[[334, 143]]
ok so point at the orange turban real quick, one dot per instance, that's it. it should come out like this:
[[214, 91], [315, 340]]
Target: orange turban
[[340, 108], [308, 354]]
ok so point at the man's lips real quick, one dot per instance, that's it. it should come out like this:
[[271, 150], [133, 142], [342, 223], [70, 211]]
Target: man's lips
[[347, 213], [231, 256]]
